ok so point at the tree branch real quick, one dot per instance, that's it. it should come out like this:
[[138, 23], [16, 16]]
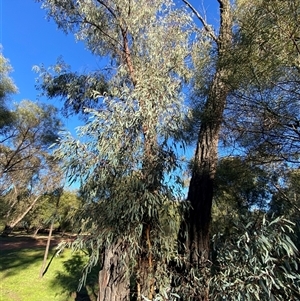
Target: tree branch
[[128, 56], [108, 8], [205, 25], [85, 20]]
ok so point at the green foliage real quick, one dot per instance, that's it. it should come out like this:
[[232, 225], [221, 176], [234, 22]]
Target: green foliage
[[240, 186], [39, 122], [268, 33], [7, 87], [33, 130], [27, 169], [258, 261], [286, 199], [64, 214], [241, 183], [77, 90], [6, 84]]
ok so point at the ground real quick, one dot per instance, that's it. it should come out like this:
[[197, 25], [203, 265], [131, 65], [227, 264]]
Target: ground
[[26, 242], [20, 263]]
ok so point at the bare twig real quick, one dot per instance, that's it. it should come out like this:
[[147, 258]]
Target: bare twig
[[202, 20]]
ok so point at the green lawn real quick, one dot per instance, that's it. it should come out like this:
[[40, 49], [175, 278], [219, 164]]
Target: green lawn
[[19, 277]]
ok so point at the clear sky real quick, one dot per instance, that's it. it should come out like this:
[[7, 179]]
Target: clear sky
[[29, 39]]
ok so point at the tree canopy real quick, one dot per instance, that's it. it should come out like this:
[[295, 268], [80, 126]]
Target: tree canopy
[[7, 87], [27, 168]]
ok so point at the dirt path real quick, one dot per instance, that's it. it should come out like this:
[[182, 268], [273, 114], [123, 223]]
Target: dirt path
[[12, 243]]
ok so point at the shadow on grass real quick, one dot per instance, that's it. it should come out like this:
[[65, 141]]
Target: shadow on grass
[[66, 280], [11, 261], [69, 278]]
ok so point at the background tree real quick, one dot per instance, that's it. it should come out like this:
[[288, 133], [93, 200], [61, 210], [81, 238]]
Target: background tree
[[56, 198], [27, 169], [240, 187], [7, 87], [266, 61], [285, 199], [65, 219]]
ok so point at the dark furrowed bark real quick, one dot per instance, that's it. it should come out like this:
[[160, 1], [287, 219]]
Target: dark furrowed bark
[[113, 281], [200, 195]]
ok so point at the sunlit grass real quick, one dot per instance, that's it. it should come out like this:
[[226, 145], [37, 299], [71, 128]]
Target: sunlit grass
[[19, 276]]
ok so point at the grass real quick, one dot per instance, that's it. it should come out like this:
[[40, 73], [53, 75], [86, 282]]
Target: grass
[[19, 277]]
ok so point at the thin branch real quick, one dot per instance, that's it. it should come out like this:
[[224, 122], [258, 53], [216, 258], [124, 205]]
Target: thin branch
[[125, 45], [103, 32], [205, 25], [108, 8]]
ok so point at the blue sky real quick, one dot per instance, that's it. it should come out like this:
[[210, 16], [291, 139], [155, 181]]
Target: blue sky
[[29, 39]]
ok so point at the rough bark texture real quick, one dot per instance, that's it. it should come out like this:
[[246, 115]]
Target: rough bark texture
[[200, 192], [145, 280], [113, 281]]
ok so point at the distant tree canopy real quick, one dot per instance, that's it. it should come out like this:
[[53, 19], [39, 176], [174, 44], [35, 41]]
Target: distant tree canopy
[[64, 216], [27, 168], [7, 87]]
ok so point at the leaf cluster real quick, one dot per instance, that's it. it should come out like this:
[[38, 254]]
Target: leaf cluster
[[259, 261]]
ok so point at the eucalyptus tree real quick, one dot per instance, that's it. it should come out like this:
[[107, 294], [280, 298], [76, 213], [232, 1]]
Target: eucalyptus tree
[[258, 261], [246, 95], [125, 157], [27, 168]]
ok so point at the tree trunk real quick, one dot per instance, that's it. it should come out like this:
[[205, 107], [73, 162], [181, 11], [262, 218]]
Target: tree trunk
[[113, 281], [43, 269], [145, 280], [10, 226], [201, 186], [36, 231], [200, 193]]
